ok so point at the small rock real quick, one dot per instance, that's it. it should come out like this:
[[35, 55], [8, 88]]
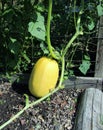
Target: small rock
[[22, 122]]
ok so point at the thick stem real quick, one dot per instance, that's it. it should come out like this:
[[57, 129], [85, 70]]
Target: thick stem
[[62, 71], [48, 30]]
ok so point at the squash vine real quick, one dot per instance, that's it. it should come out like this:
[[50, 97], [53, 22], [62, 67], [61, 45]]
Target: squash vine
[[78, 32]]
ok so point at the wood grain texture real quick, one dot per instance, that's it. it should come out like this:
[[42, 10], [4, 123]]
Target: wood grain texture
[[83, 82], [90, 111], [99, 55]]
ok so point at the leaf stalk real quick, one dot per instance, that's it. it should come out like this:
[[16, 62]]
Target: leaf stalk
[[48, 31]]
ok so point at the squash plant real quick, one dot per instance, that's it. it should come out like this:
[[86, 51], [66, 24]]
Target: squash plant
[[55, 57]]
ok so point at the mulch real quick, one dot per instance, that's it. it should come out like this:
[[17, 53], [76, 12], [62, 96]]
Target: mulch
[[55, 113]]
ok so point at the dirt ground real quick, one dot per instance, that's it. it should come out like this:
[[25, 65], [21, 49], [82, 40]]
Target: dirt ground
[[55, 113]]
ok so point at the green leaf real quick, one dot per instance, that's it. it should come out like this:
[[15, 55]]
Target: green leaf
[[6, 12], [86, 57], [85, 64], [13, 39], [37, 29], [14, 46], [26, 99], [40, 7], [43, 48], [100, 10], [91, 23], [25, 57]]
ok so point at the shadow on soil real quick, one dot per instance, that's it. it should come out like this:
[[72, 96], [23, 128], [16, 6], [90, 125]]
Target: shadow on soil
[[20, 88]]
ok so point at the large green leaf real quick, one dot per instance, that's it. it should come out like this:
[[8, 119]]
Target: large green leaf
[[37, 29], [100, 10], [85, 64]]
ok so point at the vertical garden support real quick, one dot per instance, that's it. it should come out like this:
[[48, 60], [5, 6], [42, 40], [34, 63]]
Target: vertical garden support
[[99, 56]]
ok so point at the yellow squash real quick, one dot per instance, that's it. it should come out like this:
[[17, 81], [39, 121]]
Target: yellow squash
[[43, 77]]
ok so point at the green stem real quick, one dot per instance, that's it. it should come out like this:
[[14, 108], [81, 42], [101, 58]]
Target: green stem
[[74, 13], [13, 118], [48, 30], [77, 33], [62, 71], [28, 106], [70, 43]]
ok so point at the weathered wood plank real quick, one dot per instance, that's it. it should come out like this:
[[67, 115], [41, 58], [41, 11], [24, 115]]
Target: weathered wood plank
[[89, 111], [99, 55], [83, 82]]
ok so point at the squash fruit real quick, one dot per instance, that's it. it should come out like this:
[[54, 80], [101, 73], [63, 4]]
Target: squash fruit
[[43, 77]]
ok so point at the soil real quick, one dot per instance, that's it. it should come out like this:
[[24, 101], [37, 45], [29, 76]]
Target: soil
[[55, 113]]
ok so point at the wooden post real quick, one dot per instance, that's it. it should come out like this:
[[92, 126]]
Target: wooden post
[[99, 55]]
